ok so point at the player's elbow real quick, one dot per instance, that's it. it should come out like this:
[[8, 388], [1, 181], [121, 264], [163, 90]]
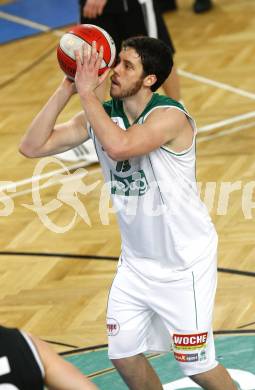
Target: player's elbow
[[117, 154], [27, 150], [120, 151]]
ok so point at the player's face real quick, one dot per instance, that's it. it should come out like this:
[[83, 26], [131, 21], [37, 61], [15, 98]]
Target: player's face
[[127, 78]]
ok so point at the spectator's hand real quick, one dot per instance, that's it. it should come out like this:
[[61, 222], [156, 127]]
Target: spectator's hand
[[93, 8]]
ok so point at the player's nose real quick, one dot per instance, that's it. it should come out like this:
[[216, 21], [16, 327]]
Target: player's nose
[[116, 68]]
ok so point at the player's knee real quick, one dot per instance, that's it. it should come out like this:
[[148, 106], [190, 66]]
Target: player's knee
[[196, 377], [201, 376], [118, 363], [197, 371], [127, 363]]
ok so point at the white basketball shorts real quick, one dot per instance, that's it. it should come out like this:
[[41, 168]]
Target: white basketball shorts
[[151, 316]]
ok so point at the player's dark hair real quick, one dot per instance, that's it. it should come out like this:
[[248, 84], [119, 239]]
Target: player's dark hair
[[156, 57]]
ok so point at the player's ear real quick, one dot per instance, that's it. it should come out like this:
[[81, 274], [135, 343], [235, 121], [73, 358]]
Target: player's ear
[[150, 80]]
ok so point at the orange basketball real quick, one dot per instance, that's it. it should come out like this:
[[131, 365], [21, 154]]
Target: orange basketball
[[73, 40]]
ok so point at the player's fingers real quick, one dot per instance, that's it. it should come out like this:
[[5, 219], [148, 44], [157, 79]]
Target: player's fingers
[[104, 76], [78, 60], [93, 57], [86, 53], [100, 57]]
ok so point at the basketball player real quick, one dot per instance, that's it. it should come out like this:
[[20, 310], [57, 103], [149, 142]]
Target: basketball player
[[27, 363], [164, 289]]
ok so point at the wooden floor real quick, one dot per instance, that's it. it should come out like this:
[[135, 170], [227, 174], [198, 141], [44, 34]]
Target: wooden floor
[[64, 299]]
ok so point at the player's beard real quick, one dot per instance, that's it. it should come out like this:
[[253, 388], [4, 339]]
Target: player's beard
[[131, 91]]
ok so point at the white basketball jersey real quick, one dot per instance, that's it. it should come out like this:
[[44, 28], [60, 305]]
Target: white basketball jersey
[[165, 228]]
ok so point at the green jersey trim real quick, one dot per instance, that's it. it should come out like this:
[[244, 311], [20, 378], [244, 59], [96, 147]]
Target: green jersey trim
[[175, 153], [195, 300], [114, 107]]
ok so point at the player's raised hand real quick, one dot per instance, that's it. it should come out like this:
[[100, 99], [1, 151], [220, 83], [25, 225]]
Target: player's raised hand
[[88, 64], [68, 85]]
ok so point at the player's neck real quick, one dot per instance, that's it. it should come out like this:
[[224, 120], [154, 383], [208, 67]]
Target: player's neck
[[134, 105]]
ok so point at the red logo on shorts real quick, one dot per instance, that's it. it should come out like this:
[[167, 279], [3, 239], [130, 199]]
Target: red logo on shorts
[[190, 341], [113, 327], [186, 358]]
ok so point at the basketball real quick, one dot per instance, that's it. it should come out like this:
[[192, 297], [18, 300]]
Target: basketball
[[73, 40]]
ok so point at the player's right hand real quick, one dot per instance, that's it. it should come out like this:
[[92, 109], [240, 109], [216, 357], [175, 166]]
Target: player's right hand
[[69, 85]]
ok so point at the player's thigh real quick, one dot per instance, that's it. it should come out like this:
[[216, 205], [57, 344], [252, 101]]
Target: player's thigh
[[128, 317]]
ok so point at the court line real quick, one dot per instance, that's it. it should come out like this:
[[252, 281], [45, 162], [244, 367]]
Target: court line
[[232, 331], [114, 258], [236, 271], [32, 179], [43, 186], [245, 325], [64, 255], [84, 349], [59, 343], [30, 23], [228, 121], [217, 84], [226, 132]]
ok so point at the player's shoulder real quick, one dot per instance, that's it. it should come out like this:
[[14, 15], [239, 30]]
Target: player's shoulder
[[164, 101], [158, 108], [160, 103]]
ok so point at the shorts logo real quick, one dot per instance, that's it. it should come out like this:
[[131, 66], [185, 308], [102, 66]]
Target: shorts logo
[[190, 341], [113, 327], [202, 356], [186, 358]]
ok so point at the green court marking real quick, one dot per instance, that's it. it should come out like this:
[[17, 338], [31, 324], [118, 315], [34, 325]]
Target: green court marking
[[234, 352]]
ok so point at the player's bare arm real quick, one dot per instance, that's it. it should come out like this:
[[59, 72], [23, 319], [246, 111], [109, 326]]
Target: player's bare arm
[[44, 137], [163, 126], [60, 374]]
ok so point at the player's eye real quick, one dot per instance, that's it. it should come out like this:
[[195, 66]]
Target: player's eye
[[128, 65]]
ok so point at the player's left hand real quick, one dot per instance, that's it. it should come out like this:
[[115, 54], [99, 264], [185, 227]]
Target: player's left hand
[[88, 64]]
